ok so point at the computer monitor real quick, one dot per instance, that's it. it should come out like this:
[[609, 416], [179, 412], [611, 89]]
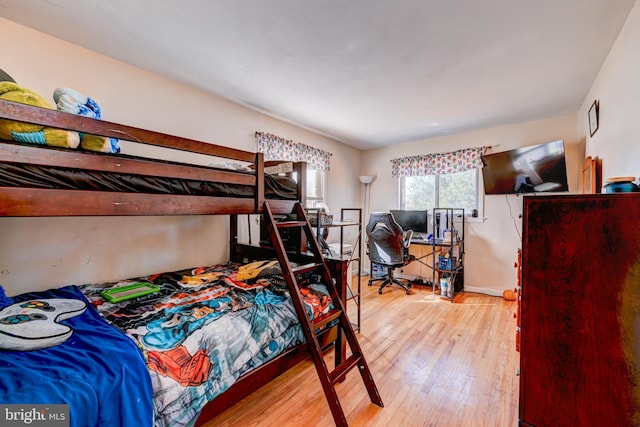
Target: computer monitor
[[418, 221]]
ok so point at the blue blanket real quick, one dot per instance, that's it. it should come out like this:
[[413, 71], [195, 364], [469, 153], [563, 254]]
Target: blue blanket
[[56, 348]]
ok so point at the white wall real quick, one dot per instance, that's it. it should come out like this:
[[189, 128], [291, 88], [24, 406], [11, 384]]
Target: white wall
[[490, 245], [617, 87], [50, 252], [40, 253]]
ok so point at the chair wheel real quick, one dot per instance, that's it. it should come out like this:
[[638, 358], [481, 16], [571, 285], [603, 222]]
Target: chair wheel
[[408, 292], [380, 291]]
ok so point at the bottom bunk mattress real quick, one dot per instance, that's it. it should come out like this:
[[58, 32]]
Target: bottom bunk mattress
[[204, 328], [56, 349]]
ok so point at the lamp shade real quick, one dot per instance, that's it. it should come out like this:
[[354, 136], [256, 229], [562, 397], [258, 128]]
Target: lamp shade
[[366, 179]]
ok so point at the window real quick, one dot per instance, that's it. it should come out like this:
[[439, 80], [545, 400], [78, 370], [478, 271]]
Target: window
[[455, 190], [316, 184], [315, 187], [441, 180], [318, 162]]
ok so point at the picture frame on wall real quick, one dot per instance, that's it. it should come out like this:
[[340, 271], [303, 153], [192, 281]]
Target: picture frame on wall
[[594, 117]]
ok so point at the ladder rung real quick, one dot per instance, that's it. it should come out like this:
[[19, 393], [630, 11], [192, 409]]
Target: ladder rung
[[288, 224], [351, 362], [305, 268], [320, 321]]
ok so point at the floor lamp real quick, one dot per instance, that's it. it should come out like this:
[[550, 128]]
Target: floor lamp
[[366, 180]]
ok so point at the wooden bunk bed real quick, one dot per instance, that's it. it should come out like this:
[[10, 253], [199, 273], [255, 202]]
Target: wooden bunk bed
[[23, 198]]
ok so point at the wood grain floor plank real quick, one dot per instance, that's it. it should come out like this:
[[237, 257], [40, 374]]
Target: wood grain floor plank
[[435, 363]]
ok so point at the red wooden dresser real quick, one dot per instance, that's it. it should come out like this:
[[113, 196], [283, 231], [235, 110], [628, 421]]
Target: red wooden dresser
[[580, 311]]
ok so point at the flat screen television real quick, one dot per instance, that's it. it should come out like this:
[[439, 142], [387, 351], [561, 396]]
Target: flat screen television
[[533, 169], [412, 220]]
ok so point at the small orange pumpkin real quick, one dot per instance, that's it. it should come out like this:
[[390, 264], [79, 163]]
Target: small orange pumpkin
[[509, 295]]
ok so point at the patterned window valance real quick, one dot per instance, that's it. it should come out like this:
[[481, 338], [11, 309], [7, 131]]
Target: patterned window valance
[[439, 163], [276, 148]]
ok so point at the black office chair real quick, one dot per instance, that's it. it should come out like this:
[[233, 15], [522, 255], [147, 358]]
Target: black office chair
[[388, 247]]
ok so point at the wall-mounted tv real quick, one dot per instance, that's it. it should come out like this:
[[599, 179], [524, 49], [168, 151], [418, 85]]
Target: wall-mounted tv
[[533, 169]]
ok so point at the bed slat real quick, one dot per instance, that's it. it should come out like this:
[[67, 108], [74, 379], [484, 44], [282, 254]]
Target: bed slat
[[46, 202]]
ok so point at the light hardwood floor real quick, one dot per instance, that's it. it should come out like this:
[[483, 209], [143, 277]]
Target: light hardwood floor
[[435, 364]]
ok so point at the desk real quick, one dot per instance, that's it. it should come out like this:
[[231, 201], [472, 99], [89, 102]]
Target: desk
[[421, 270], [427, 253], [426, 268]]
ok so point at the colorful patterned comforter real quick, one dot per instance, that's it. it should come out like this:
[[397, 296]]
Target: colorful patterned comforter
[[206, 327]]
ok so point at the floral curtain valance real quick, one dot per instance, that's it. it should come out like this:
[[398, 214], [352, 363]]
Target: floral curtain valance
[[439, 163], [275, 148]]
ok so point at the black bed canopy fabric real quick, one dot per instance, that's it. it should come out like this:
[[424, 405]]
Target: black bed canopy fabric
[[52, 177]]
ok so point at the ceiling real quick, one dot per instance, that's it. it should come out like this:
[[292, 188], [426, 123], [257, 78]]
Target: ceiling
[[368, 73]]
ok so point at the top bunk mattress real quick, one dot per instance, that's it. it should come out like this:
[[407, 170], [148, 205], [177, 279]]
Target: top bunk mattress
[[54, 177]]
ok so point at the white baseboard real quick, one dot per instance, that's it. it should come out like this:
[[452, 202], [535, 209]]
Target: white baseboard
[[492, 292]]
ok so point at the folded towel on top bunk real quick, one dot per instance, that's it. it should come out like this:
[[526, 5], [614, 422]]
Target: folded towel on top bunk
[[74, 102]]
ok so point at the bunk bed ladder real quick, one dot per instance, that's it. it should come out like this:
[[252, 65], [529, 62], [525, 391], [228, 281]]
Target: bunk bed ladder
[[328, 378]]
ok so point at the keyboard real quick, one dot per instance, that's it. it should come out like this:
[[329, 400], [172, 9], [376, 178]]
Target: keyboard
[[423, 238]]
